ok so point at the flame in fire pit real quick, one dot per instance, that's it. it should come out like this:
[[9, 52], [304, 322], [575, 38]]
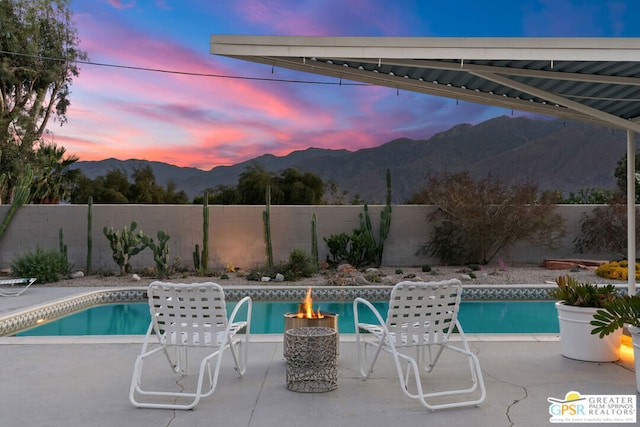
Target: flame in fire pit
[[305, 308]]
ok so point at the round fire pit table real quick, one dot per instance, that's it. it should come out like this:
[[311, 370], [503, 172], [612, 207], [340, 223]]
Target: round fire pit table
[[312, 359]]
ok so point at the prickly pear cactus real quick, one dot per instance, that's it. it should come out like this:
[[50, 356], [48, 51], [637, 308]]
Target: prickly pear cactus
[[125, 244], [160, 252]]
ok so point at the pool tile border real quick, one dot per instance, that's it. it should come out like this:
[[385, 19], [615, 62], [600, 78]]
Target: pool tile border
[[13, 323]]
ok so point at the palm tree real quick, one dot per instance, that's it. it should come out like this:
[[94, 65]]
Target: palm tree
[[54, 177]]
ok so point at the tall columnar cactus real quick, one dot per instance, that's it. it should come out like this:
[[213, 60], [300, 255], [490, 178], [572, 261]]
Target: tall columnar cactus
[[266, 219], [205, 233], [201, 259], [160, 252], [385, 224], [124, 245], [21, 196], [89, 234], [63, 247], [314, 241], [196, 259], [385, 220]]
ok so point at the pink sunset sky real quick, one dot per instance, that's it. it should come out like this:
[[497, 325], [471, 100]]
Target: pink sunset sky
[[204, 121]]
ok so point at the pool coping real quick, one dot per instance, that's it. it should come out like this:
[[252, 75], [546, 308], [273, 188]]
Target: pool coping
[[20, 320]]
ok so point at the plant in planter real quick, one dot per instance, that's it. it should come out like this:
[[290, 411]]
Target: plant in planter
[[623, 310], [578, 303]]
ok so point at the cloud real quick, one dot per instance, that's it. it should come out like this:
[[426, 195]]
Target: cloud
[[237, 113], [119, 4]]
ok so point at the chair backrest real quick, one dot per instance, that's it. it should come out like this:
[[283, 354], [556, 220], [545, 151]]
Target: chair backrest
[[193, 312], [423, 312]]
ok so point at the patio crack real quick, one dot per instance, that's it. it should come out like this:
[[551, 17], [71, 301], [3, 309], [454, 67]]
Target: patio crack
[[515, 402], [261, 388], [174, 413]]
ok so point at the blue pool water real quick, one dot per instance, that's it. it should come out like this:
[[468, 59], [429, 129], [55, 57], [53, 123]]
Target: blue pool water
[[268, 318]]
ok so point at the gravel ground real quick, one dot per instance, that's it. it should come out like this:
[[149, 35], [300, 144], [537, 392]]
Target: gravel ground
[[521, 274]]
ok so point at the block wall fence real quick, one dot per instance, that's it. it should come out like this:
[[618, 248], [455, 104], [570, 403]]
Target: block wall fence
[[236, 233]]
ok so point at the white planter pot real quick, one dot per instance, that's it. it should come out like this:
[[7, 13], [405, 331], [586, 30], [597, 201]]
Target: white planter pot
[[576, 339], [635, 340]]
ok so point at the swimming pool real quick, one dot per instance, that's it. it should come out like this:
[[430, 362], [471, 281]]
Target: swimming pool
[[513, 317]]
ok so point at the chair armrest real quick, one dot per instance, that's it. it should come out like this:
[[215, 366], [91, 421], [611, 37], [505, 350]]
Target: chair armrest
[[376, 313], [246, 300]]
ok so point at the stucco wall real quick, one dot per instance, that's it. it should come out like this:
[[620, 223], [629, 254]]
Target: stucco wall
[[236, 232]]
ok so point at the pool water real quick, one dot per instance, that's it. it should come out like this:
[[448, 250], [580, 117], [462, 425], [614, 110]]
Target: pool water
[[268, 318]]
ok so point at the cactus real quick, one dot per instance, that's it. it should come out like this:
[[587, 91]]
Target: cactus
[[63, 247], [385, 220], [266, 219], [196, 258], [21, 196], [385, 224], [89, 234], [204, 259], [124, 245], [201, 259], [160, 252], [314, 241]]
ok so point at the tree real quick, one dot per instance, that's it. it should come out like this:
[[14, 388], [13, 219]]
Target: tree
[[620, 172], [115, 188], [605, 229], [53, 179], [477, 219], [219, 195], [144, 188], [36, 74], [300, 188], [173, 197], [590, 196], [252, 185]]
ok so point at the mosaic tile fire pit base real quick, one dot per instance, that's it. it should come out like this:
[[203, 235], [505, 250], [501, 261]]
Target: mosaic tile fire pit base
[[312, 359]]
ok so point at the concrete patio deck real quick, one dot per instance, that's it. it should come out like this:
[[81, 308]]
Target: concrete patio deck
[[84, 381]]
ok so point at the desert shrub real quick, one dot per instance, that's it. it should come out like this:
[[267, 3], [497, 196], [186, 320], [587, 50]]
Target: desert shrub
[[373, 277], [476, 219], [605, 230], [44, 264], [358, 249], [616, 270], [299, 265]]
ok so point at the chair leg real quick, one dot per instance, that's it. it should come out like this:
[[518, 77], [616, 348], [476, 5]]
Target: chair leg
[[425, 398], [366, 367], [136, 390], [477, 381], [238, 351]]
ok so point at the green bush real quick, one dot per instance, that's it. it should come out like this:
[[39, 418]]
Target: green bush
[[300, 265], [358, 249], [44, 264]]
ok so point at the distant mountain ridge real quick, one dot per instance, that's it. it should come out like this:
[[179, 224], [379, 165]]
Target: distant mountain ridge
[[554, 154]]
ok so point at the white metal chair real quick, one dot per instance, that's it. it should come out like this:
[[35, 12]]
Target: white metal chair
[[422, 315], [184, 316], [15, 292]]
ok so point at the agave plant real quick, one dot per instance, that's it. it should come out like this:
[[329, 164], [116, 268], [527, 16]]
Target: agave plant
[[623, 310], [579, 294]]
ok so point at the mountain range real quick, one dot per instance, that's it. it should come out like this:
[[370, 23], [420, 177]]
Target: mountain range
[[552, 153]]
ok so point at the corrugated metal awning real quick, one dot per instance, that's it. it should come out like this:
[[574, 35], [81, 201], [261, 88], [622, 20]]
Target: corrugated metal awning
[[588, 79]]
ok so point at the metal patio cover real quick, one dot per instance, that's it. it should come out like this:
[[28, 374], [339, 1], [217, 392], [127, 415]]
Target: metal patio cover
[[588, 79], [592, 79]]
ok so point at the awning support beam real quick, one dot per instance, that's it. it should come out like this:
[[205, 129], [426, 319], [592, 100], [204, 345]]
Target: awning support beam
[[631, 212]]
